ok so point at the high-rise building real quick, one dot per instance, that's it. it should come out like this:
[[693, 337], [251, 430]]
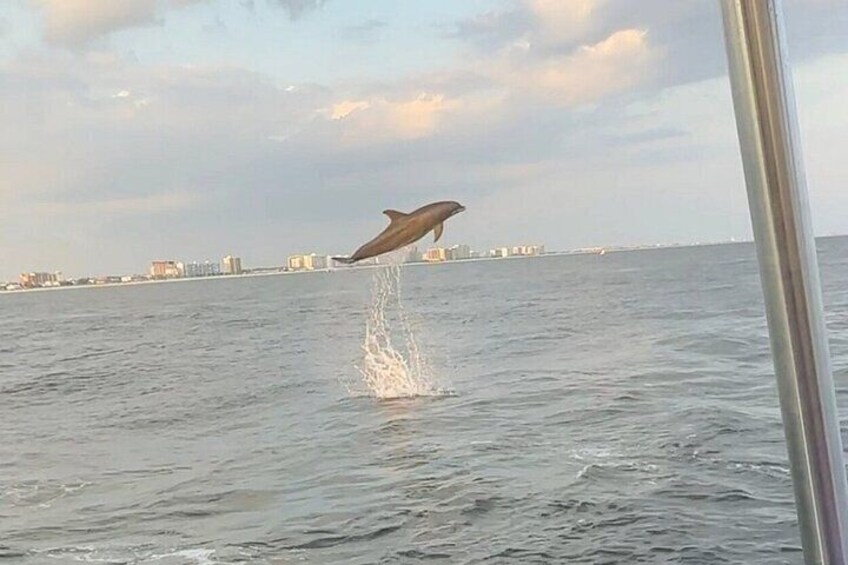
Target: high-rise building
[[38, 280], [435, 254], [205, 269], [321, 261], [231, 265], [412, 254], [529, 250], [300, 263], [166, 269], [458, 252]]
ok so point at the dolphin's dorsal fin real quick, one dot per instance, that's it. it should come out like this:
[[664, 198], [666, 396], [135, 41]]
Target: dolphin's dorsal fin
[[394, 215], [438, 231]]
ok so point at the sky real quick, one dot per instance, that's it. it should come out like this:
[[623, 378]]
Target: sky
[[133, 130]]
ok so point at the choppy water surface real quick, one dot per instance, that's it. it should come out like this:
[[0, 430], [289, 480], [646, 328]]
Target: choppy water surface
[[614, 409]]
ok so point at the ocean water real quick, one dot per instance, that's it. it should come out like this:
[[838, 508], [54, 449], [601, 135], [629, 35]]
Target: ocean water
[[580, 409]]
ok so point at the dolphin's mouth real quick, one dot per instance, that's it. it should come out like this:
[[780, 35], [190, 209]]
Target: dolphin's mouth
[[458, 210]]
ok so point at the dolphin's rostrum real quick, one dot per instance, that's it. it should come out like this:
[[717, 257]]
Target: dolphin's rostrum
[[405, 229]]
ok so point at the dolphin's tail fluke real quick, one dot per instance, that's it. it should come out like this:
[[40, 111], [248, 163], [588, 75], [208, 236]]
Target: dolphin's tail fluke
[[345, 260]]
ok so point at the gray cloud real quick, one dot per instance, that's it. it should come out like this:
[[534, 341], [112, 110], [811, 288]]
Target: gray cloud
[[493, 29], [154, 155], [75, 23], [189, 162], [298, 8], [689, 31]]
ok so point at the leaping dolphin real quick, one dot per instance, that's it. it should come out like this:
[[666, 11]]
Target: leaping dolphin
[[405, 229]]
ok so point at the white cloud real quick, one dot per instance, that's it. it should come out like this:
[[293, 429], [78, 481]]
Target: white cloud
[[621, 61], [561, 21], [419, 116], [346, 107], [586, 74], [75, 22], [378, 119]]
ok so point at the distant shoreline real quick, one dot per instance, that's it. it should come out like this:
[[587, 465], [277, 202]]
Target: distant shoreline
[[154, 281], [588, 251], [351, 268]]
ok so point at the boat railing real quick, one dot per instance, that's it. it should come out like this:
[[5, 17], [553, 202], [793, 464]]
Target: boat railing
[[767, 125]]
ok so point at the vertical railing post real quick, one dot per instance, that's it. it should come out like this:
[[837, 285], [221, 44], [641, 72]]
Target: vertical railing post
[[765, 117]]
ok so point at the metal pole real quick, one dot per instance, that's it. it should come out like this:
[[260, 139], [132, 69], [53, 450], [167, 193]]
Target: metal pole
[[765, 118]]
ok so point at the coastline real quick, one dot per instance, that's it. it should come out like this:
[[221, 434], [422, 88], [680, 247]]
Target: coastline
[[593, 251]]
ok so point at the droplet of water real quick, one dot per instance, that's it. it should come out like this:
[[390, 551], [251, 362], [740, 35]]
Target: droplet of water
[[393, 365]]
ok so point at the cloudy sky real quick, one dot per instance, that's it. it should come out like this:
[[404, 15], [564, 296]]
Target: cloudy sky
[[139, 129]]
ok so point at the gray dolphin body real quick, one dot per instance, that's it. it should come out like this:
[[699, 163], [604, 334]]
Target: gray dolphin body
[[405, 229]]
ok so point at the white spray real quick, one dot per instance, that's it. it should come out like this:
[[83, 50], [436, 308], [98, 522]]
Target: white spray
[[388, 371]]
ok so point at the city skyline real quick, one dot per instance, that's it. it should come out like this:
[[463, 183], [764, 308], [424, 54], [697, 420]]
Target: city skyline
[[169, 269], [168, 128], [16, 274]]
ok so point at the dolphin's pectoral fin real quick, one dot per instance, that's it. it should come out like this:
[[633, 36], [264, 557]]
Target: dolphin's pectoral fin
[[438, 231], [394, 214]]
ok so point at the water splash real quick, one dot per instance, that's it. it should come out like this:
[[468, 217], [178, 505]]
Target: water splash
[[393, 365]]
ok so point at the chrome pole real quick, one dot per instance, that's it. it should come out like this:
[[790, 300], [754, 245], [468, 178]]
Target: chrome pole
[[761, 82]]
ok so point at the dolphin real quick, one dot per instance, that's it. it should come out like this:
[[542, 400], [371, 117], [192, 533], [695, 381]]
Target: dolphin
[[405, 229]]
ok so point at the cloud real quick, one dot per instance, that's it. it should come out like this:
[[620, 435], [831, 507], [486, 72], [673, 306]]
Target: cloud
[[346, 107], [380, 120], [502, 86], [623, 60], [542, 22], [493, 29], [101, 146], [74, 22], [689, 33], [298, 8], [562, 22], [366, 32], [121, 129]]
